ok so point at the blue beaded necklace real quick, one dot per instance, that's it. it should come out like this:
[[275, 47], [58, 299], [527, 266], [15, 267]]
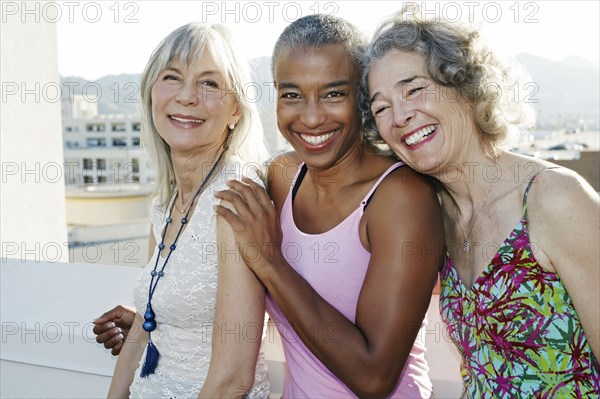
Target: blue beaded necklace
[[149, 325]]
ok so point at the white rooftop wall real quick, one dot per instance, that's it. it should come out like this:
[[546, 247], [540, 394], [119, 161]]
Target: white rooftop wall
[[32, 195], [48, 349]]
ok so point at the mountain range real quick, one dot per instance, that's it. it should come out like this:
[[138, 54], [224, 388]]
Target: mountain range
[[564, 93]]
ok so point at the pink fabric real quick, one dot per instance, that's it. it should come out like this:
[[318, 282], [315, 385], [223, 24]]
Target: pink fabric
[[334, 263]]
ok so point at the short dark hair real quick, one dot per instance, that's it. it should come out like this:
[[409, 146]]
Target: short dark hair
[[320, 30]]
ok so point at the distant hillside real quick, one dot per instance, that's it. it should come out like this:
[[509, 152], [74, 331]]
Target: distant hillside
[[261, 74], [120, 94], [567, 90], [562, 92], [115, 94]]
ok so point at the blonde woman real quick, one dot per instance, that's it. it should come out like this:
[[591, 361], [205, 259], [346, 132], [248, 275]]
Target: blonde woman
[[199, 130]]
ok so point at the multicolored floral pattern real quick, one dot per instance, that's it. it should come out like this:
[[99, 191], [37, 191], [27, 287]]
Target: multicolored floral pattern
[[516, 328]]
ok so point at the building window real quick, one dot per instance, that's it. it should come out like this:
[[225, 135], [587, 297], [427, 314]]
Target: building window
[[119, 127], [135, 141], [88, 163], [101, 163], [95, 142], [136, 126], [102, 179], [135, 165], [119, 142], [95, 127], [89, 180]]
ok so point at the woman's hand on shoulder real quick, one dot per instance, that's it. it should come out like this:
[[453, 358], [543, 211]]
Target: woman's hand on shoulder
[[254, 221]]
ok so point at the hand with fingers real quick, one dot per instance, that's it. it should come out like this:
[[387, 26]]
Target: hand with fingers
[[112, 327], [254, 221]]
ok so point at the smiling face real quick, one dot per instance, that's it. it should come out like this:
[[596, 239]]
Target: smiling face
[[191, 106], [427, 125], [316, 103]]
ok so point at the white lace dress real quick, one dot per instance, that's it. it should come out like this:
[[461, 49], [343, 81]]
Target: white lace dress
[[184, 303]]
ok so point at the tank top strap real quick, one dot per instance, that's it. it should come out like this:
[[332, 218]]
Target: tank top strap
[[302, 169], [526, 194], [389, 170]]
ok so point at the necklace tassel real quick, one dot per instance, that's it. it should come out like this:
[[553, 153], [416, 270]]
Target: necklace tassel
[[151, 361], [149, 325]]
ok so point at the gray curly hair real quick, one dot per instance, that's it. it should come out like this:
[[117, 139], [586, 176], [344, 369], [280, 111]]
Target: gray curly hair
[[455, 58]]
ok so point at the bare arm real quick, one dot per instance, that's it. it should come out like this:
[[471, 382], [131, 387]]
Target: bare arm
[[128, 360], [404, 220], [238, 323], [564, 220]]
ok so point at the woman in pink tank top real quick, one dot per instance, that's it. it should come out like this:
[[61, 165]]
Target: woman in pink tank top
[[348, 243]]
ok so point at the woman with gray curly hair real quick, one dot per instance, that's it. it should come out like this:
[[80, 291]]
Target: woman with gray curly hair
[[519, 289]]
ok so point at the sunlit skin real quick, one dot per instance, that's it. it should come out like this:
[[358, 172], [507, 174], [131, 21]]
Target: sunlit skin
[[191, 110], [191, 106], [316, 98], [482, 196], [405, 100]]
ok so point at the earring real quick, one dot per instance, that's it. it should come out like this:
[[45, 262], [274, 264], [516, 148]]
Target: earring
[[231, 126]]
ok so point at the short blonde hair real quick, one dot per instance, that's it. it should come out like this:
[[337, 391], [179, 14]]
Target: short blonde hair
[[184, 45]]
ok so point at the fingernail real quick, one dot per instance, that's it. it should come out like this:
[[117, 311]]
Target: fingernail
[[111, 325]]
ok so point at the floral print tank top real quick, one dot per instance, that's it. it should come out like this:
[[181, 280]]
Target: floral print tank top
[[516, 329]]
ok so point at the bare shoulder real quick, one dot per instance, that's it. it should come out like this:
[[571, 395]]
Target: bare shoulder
[[556, 189], [285, 158], [562, 208], [282, 170], [409, 198], [406, 187], [563, 214], [281, 163], [405, 209]]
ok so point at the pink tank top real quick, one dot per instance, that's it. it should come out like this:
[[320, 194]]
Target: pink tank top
[[334, 263]]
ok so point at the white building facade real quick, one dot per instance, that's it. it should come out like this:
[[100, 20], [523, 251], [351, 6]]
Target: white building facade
[[103, 148]]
